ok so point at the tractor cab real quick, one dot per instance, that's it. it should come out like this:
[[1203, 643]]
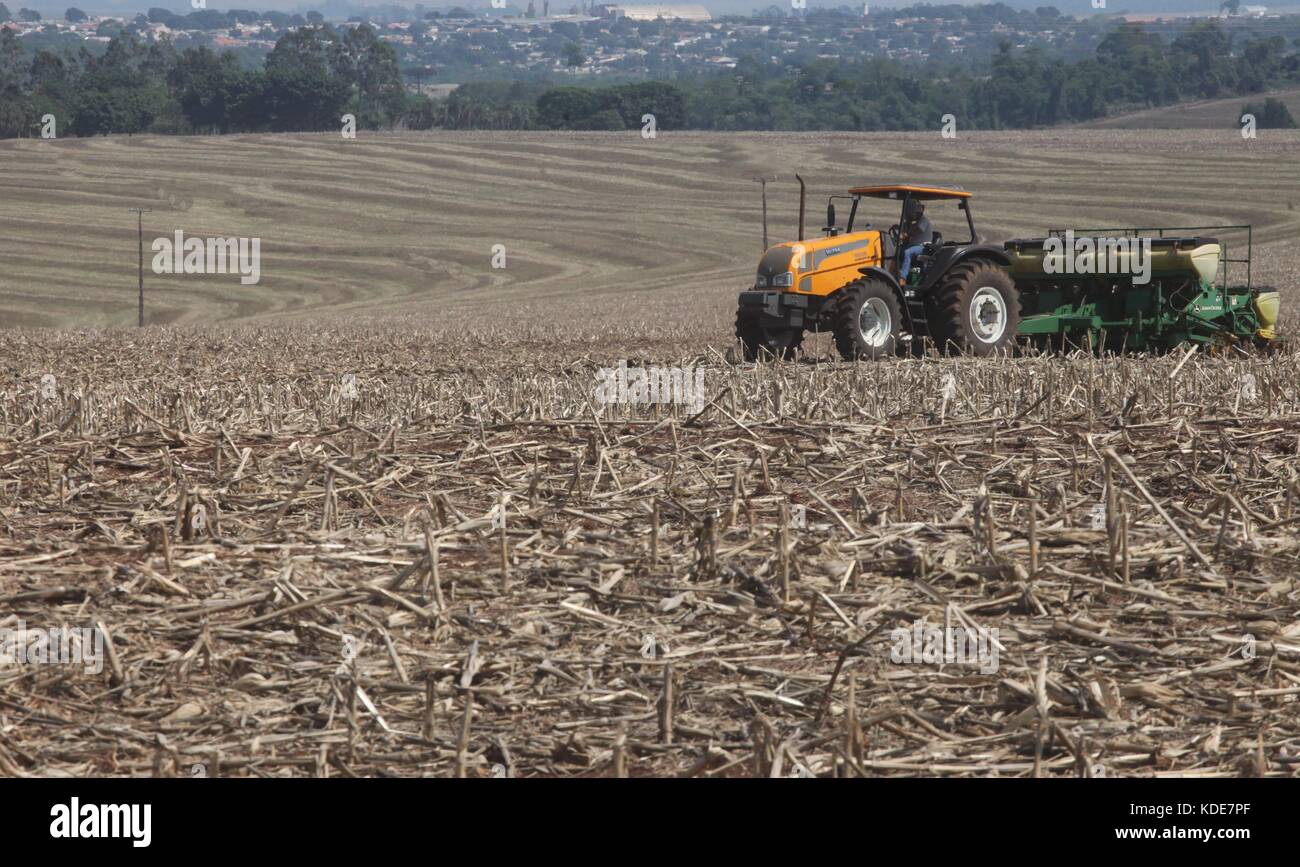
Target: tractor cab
[[953, 210]]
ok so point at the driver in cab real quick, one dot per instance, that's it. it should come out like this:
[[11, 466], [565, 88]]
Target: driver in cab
[[916, 233]]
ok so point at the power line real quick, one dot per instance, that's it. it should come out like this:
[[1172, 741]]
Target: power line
[[139, 223]]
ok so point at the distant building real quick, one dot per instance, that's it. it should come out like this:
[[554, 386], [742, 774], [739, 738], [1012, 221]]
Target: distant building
[[649, 12]]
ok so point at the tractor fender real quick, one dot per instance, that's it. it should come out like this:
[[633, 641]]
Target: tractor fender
[[877, 271], [888, 279], [941, 266], [983, 251]]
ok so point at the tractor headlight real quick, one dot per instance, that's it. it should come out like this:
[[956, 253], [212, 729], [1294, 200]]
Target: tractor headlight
[[761, 282], [783, 281]]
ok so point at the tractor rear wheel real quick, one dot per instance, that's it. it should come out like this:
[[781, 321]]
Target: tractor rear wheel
[[759, 342], [867, 321], [975, 310]]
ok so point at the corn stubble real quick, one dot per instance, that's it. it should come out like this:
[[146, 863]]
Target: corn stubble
[[470, 569]]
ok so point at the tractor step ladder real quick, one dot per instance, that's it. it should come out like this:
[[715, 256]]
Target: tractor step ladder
[[916, 312]]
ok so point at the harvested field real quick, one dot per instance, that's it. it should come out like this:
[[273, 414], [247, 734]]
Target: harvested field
[[593, 224], [369, 517], [705, 593]]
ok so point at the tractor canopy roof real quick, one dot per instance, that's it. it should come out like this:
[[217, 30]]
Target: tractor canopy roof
[[918, 191]]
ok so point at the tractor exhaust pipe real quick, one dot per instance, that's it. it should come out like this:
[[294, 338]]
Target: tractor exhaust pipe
[[764, 180], [803, 201]]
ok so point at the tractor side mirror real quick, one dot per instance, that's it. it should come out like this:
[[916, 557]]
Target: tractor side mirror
[[830, 215]]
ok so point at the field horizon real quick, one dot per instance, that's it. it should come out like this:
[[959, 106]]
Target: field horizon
[[404, 227]]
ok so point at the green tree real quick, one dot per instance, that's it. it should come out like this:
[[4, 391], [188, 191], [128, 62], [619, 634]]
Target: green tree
[[1272, 114], [1136, 58], [573, 56], [316, 49], [370, 66], [47, 70], [665, 101], [1261, 63], [604, 119], [204, 82], [11, 59], [117, 109], [1202, 57], [16, 114], [74, 15], [567, 107], [304, 99], [1021, 88]]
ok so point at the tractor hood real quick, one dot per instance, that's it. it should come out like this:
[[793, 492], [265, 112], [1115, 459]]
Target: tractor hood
[[818, 266], [809, 255]]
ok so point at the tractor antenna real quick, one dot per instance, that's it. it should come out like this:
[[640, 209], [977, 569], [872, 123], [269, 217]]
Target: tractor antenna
[[763, 179], [803, 200]]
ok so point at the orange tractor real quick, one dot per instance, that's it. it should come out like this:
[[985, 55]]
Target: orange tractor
[[885, 292], [956, 294]]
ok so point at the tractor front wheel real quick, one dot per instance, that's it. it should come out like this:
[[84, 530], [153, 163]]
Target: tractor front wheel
[[759, 342], [868, 320], [976, 310]]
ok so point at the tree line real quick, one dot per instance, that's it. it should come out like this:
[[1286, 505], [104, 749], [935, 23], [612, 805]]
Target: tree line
[[315, 74], [1131, 69], [310, 79]]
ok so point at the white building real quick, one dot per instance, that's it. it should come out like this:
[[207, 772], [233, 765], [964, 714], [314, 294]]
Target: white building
[[649, 12]]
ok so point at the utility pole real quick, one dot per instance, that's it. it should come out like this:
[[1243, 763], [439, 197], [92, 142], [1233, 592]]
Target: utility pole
[[763, 179], [139, 227]]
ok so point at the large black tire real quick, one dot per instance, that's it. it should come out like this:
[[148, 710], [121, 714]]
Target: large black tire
[[868, 320], [975, 310], [759, 342]]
